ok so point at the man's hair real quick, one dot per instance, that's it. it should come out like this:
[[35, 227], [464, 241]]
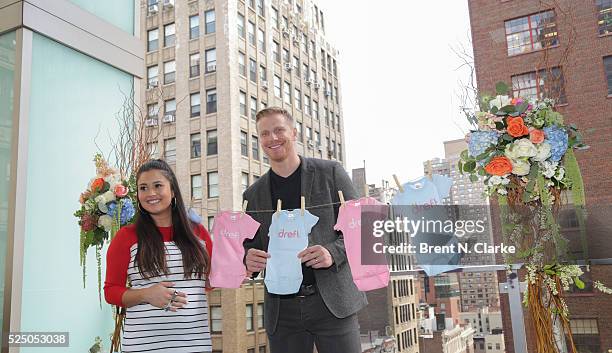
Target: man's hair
[[274, 110]]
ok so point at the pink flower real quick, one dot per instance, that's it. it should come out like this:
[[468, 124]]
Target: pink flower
[[120, 190]]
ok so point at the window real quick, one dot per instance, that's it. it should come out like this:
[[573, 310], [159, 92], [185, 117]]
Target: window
[[152, 111], [261, 40], [209, 17], [169, 72], [253, 107], [196, 187], [240, 25], [251, 32], [313, 75], [196, 145], [298, 99], [299, 128], [262, 74], [585, 333], [317, 138], [169, 35], [243, 109], [211, 142], [194, 27], [608, 67], [276, 51], [253, 70], [249, 317], [285, 22], [244, 147], [336, 95], [313, 49], [213, 184], [260, 8], [285, 55], [194, 65], [275, 22], [537, 85], [211, 101], [296, 65], [153, 39], [277, 86], [262, 349], [335, 68], [260, 321], [305, 71], [255, 147], [326, 115], [170, 150], [244, 181], [195, 104], [315, 109], [531, 33], [216, 319], [211, 222], [241, 64], [152, 76], [211, 60], [308, 133], [152, 149], [604, 16], [307, 105], [170, 107], [287, 93]]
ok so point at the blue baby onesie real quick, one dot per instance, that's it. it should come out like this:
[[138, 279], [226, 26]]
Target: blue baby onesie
[[288, 236], [426, 193]]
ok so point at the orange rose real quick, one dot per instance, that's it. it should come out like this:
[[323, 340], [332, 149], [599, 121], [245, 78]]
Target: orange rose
[[536, 136], [499, 166], [97, 185], [516, 127]]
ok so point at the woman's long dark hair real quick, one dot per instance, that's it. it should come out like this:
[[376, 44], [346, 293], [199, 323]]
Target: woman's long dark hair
[[150, 256]]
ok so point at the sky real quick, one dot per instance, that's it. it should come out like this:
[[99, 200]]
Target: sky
[[399, 81]]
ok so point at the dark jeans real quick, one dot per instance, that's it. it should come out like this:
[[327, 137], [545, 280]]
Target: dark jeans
[[304, 321]]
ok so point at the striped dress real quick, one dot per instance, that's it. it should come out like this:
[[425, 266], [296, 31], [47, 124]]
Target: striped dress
[[151, 329]]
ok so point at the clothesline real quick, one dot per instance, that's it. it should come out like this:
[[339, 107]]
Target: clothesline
[[272, 211]]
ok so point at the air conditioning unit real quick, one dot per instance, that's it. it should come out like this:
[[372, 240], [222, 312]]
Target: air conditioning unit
[[153, 84], [286, 32], [168, 3], [151, 122], [316, 85], [307, 82], [168, 118], [288, 66], [327, 93], [310, 143], [152, 9], [211, 68], [320, 148], [264, 85]]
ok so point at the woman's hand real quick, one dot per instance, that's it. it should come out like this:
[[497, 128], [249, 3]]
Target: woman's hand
[[162, 294]]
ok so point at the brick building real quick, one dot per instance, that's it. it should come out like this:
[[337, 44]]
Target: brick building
[[561, 49]]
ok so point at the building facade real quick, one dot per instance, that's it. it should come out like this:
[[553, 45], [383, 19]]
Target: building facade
[[210, 66], [561, 50]]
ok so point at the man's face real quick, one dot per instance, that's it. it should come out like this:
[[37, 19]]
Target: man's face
[[277, 137]]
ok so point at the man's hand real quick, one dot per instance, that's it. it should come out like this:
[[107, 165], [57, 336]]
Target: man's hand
[[256, 260], [316, 256]]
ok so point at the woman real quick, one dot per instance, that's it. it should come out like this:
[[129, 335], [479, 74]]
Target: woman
[[164, 258]]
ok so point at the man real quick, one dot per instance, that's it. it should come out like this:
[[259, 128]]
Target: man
[[323, 312]]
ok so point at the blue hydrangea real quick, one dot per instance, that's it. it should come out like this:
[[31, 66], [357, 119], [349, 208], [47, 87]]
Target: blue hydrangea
[[127, 210], [558, 140], [480, 141]]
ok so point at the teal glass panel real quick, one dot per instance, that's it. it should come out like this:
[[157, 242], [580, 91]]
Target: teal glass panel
[[117, 12], [7, 74], [73, 102]]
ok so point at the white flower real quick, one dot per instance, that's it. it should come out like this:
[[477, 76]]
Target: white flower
[[102, 207], [520, 167], [109, 196], [105, 222], [560, 173], [113, 180], [505, 181], [520, 148], [549, 168], [543, 152], [499, 102], [502, 191], [495, 180]]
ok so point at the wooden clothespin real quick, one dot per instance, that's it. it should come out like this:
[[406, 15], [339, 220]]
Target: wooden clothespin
[[341, 197], [399, 186], [429, 170], [279, 204], [366, 190], [302, 204]]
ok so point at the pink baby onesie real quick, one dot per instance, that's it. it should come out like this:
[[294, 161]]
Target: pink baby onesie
[[230, 229], [366, 277]]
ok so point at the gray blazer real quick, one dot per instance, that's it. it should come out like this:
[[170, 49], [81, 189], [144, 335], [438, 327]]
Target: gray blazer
[[321, 180]]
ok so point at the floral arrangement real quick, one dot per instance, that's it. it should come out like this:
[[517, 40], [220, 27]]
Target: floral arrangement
[[525, 152], [106, 205]]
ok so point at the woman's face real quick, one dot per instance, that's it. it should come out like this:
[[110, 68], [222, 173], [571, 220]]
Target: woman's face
[[154, 192]]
